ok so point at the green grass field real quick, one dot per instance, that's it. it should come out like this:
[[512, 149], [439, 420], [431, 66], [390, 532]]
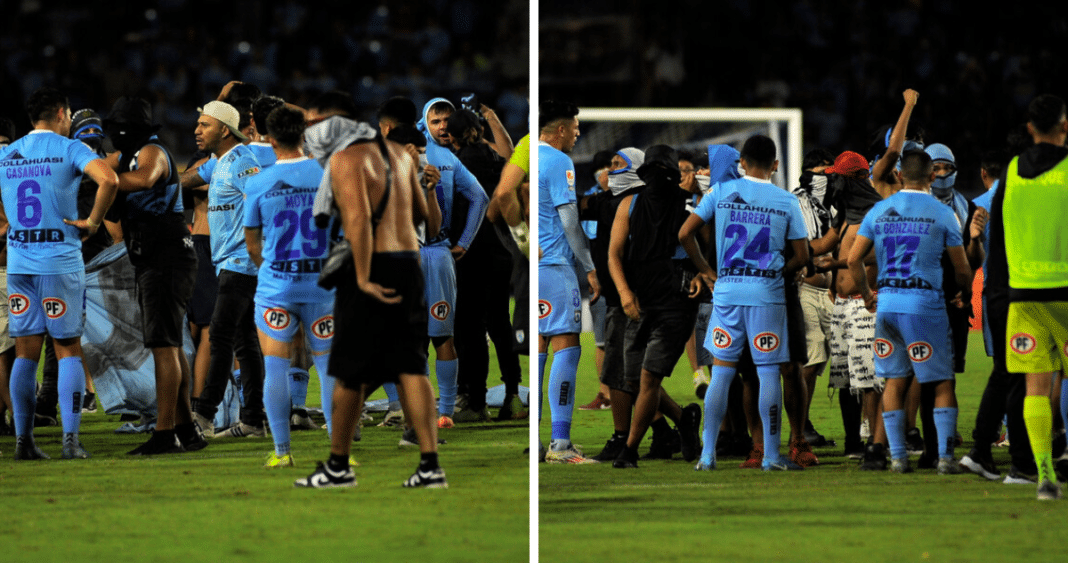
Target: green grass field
[[219, 504], [665, 511]]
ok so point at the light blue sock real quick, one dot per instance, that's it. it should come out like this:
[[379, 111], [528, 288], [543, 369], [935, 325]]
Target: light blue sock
[[716, 398], [23, 387], [71, 387], [945, 420], [895, 433], [446, 374], [562, 376], [237, 386], [326, 388], [391, 394], [298, 386], [542, 358], [276, 400], [770, 404]]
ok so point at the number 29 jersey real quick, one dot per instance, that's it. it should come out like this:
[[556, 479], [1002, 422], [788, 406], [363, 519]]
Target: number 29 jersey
[[753, 220], [39, 178], [910, 231], [280, 202]]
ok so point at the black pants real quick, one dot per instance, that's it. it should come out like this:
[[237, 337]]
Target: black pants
[[233, 332], [482, 297]]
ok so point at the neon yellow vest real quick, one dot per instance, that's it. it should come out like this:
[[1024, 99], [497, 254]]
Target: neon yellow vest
[[1036, 227]]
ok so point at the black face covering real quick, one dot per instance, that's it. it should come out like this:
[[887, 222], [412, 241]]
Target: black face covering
[[128, 140]]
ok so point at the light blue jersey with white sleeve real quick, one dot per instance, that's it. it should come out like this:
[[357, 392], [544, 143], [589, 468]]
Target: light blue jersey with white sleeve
[[226, 210]]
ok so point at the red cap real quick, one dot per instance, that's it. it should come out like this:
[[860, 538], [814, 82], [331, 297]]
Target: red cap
[[848, 164]]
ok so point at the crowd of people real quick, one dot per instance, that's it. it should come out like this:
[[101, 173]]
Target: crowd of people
[[295, 237], [865, 268]]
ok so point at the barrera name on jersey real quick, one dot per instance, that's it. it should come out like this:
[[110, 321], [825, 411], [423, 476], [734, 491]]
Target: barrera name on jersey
[[38, 193], [753, 220], [910, 230], [556, 187], [226, 210], [280, 202]]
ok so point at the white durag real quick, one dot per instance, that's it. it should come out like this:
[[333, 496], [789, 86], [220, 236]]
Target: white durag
[[324, 139]]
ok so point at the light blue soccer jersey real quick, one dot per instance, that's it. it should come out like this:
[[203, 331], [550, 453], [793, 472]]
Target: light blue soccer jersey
[[754, 219], [39, 178], [153, 201], [262, 151], [910, 231], [556, 187], [280, 202], [226, 210], [986, 200]]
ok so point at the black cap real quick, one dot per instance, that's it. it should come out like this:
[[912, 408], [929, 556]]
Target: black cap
[[83, 120], [131, 113]]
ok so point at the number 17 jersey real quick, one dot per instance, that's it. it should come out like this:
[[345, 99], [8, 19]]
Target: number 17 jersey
[[753, 220], [280, 202]]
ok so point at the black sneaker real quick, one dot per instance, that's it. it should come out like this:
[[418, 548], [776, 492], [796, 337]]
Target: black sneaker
[[817, 440], [913, 442], [159, 444], [690, 431], [664, 445], [1017, 477], [325, 478], [409, 438], [611, 448], [874, 458], [25, 448], [433, 479], [854, 451], [627, 459], [190, 438], [981, 465]]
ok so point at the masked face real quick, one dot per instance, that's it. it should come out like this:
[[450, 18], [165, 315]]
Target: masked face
[[945, 178]]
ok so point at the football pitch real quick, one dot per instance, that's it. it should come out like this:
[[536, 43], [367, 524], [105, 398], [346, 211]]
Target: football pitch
[[220, 504], [665, 511]]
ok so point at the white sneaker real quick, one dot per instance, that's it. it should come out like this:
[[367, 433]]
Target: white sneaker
[[393, 418], [205, 426]]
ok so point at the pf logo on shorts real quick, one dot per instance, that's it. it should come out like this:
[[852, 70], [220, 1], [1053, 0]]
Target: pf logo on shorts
[[920, 351], [544, 308], [883, 348], [276, 318], [720, 338], [18, 303], [1023, 343], [54, 308], [323, 328], [440, 310], [766, 342]]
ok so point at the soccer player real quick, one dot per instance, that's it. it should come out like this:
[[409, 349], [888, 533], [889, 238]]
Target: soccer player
[[439, 257], [284, 242], [233, 330], [561, 242], [909, 231], [46, 276], [1029, 255], [754, 221]]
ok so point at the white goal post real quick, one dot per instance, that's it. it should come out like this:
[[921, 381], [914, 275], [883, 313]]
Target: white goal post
[[769, 117]]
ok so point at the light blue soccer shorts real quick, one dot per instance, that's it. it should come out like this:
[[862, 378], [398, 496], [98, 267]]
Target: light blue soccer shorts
[[279, 320], [439, 273], [762, 327], [559, 301], [52, 303], [913, 344]]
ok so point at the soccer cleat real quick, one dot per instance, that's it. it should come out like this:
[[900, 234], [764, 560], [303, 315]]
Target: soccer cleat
[[393, 418], [983, 467], [612, 447], [801, 454], [512, 409], [324, 478], [89, 403], [25, 448], [445, 422], [1016, 477], [157, 445], [599, 403], [205, 426], [874, 458], [663, 445], [570, 455], [700, 383], [352, 461], [274, 461], [242, 430], [854, 451], [72, 448], [705, 466], [949, 466], [410, 438], [433, 479], [627, 459], [690, 431], [1048, 490], [471, 415], [301, 420], [755, 457], [901, 465], [913, 442], [782, 464]]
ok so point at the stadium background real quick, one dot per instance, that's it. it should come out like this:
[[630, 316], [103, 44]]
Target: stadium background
[[183, 51], [844, 63]]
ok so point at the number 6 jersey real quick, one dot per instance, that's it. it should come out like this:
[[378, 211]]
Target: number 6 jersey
[[754, 219], [39, 178]]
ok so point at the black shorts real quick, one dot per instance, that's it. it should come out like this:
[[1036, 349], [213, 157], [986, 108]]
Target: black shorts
[[206, 288], [657, 340], [795, 325], [613, 373], [163, 292], [374, 342]]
